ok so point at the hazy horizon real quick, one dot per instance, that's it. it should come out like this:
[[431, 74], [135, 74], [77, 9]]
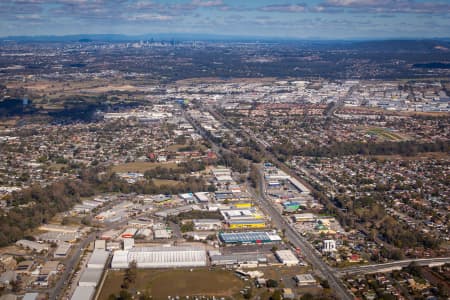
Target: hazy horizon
[[317, 19]]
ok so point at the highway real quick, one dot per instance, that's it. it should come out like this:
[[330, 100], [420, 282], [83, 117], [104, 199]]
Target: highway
[[396, 265], [298, 241], [293, 236], [310, 254]]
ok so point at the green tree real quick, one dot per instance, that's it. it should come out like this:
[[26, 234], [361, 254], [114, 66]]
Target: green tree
[[271, 283]]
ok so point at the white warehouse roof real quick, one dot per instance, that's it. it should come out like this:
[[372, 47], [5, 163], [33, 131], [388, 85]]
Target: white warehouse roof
[[90, 277], [98, 259], [161, 257], [287, 257], [83, 293]]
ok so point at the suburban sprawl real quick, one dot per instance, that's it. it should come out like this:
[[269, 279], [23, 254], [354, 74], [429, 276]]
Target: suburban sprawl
[[142, 170]]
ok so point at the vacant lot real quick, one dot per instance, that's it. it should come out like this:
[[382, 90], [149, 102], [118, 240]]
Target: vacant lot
[[141, 167], [162, 283]]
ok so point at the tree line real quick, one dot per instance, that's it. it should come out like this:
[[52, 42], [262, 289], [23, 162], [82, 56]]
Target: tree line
[[36, 205], [405, 148]]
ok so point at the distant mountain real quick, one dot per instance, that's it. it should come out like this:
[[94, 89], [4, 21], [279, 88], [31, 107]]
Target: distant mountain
[[405, 45]]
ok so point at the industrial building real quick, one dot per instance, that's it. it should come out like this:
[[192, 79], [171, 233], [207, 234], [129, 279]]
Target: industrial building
[[58, 237], [299, 186], [160, 257], [287, 257], [59, 228], [253, 259], [83, 293], [62, 250], [253, 237], [128, 244], [90, 277], [202, 197], [207, 224], [305, 217], [305, 280], [161, 234], [100, 244], [38, 247], [174, 211], [98, 259], [246, 223], [129, 233]]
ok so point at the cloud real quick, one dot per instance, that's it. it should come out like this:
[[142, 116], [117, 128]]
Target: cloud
[[288, 8], [207, 3], [29, 17], [384, 6], [149, 17]]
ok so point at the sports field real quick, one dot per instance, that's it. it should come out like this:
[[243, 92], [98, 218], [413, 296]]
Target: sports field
[[181, 282]]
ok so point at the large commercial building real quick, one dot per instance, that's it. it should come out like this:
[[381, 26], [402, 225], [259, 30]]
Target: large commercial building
[[207, 224], [62, 250], [83, 293], [246, 223], [160, 257], [305, 280], [38, 247], [90, 277], [287, 257], [98, 259], [241, 259], [253, 237]]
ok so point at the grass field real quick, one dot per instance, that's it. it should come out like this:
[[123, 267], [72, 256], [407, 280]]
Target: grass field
[[385, 134], [421, 156], [168, 182], [181, 282], [141, 167]]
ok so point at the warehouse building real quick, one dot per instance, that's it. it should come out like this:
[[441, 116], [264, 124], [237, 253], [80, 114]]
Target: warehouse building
[[83, 293], [59, 228], [90, 277], [286, 257], [202, 197], [305, 280], [299, 186], [98, 259], [305, 217], [242, 259], [58, 237], [62, 250], [207, 224], [159, 234], [38, 247], [253, 237], [174, 211], [246, 223], [128, 244], [100, 244], [129, 233], [160, 257]]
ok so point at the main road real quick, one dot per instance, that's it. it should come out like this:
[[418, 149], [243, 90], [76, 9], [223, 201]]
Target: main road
[[311, 255], [396, 265], [293, 236]]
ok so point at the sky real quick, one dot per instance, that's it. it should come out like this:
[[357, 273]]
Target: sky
[[313, 19]]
